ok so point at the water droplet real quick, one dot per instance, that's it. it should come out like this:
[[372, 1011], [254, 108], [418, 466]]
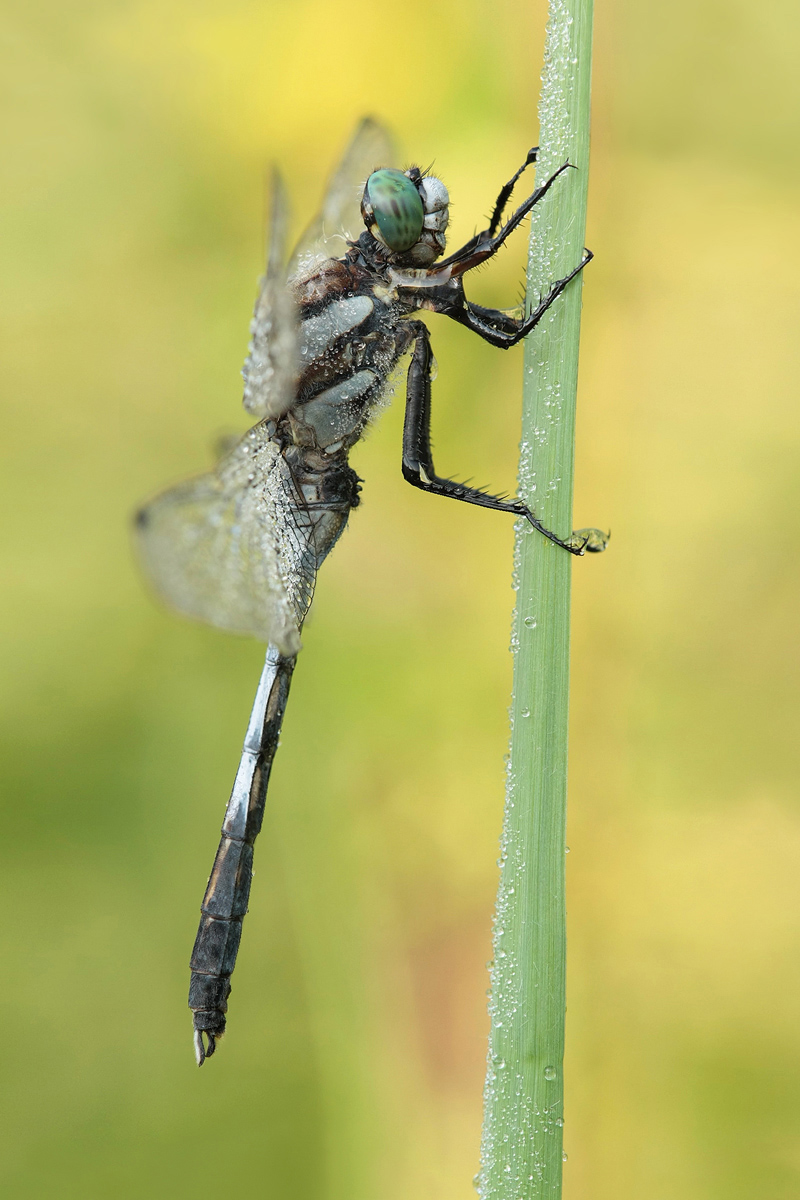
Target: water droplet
[[566, 849], [559, 1123], [526, 712], [563, 1156], [550, 1072]]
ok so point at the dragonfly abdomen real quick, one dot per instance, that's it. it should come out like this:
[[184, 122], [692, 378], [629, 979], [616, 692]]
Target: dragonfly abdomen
[[225, 902]]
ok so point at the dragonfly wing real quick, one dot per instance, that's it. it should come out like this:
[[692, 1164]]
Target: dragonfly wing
[[235, 547], [340, 218], [270, 369]]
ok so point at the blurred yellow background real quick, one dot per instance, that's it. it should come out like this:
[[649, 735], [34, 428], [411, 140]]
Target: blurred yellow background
[[136, 137]]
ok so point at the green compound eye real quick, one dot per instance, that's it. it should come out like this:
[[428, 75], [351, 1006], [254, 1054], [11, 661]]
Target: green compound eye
[[397, 207]]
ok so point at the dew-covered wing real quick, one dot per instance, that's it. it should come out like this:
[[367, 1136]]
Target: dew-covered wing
[[235, 547], [340, 215], [270, 369]]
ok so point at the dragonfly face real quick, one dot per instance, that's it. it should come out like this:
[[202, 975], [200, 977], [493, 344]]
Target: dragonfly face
[[240, 546], [407, 212]]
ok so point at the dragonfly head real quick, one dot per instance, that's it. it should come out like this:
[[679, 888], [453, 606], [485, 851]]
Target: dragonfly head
[[407, 212]]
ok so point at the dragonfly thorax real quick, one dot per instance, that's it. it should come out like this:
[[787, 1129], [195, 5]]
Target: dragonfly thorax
[[407, 212]]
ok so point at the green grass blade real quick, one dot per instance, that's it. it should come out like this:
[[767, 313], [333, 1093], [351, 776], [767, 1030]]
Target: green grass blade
[[521, 1153]]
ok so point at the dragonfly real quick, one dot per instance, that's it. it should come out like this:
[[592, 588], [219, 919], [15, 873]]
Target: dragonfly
[[240, 546]]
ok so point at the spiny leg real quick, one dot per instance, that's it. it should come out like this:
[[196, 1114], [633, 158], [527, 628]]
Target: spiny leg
[[501, 329], [418, 466], [487, 243], [507, 189]]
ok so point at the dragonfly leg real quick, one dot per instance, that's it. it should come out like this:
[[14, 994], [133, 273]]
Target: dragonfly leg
[[507, 189], [486, 244], [503, 330], [418, 468]]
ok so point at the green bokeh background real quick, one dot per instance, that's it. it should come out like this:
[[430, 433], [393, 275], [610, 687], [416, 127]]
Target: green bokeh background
[[136, 136]]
